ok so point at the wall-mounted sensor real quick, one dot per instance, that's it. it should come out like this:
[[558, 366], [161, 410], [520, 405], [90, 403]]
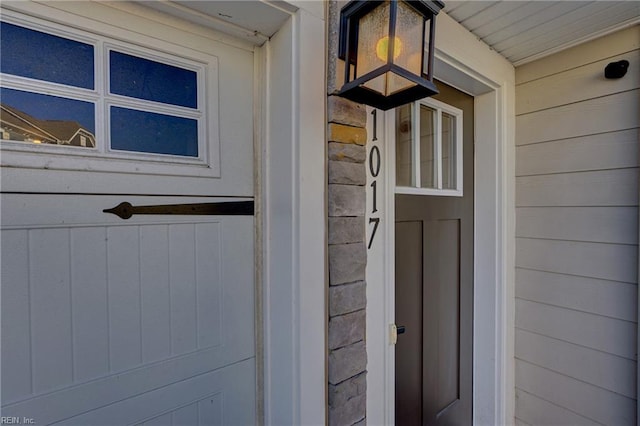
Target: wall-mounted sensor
[[616, 69]]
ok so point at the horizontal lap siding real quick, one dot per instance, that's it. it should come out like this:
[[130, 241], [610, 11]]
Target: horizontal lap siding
[[577, 137]]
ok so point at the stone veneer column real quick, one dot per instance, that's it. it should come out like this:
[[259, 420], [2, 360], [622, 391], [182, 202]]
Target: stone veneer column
[[347, 262], [347, 137]]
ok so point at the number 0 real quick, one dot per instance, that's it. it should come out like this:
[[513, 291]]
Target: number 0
[[374, 157]]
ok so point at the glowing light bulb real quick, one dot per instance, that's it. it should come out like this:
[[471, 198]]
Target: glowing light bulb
[[382, 48]]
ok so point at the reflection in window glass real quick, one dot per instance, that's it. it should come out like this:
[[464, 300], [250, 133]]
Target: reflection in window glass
[[153, 81], [141, 131], [448, 151], [427, 147], [34, 54], [404, 163], [35, 118]]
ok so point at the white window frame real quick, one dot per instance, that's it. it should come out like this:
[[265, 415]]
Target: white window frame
[[439, 108], [102, 157]]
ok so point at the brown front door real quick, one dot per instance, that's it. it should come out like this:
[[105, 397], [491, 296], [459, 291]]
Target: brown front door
[[434, 294]]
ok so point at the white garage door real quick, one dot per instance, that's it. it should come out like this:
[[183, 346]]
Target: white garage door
[[145, 320]]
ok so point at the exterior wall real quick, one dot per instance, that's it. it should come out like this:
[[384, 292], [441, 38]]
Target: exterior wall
[[577, 235]]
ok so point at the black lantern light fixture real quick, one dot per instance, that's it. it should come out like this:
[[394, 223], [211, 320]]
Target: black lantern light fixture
[[388, 49]]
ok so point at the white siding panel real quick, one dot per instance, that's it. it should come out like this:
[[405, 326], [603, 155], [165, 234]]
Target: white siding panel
[[210, 411], [537, 411], [613, 150], [606, 114], [616, 225], [596, 188], [608, 298], [603, 406], [608, 335], [125, 335], [186, 416], [209, 292], [154, 282], [591, 366], [49, 262], [224, 394], [577, 85], [576, 288], [520, 422], [182, 261], [16, 321], [90, 309], [609, 46], [605, 261]]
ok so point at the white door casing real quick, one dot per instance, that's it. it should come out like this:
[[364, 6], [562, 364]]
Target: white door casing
[[467, 64], [107, 321]]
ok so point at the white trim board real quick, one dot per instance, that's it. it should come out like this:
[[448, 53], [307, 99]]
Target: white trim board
[[469, 65], [294, 177]]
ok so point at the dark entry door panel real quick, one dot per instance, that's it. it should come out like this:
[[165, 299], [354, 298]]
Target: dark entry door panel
[[434, 297], [409, 296]]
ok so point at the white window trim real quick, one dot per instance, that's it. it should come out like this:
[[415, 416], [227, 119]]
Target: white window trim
[[103, 158], [439, 108]]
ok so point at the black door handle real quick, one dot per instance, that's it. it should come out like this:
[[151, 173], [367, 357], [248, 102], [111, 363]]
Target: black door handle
[[400, 329]]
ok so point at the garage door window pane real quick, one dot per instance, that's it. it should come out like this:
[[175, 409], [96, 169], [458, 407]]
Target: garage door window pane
[[43, 119], [33, 54], [141, 131], [141, 78]]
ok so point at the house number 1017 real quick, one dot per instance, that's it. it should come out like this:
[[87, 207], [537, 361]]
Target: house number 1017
[[374, 169]]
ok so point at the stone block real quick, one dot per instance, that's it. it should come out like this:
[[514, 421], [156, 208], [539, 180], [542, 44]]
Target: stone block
[[346, 329], [362, 422], [347, 134], [347, 298], [343, 111], [347, 152], [347, 263], [346, 200], [347, 173], [344, 230], [347, 362], [343, 392], [350, 413]]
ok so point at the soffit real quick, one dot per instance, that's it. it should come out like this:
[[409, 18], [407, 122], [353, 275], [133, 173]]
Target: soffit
[[523, 31], [253, 21]]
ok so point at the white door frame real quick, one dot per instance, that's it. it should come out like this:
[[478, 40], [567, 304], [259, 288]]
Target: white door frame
[[294, 219], [466, 63]]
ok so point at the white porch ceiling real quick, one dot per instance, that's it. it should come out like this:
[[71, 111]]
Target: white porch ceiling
[[523, 31], [250, 20]]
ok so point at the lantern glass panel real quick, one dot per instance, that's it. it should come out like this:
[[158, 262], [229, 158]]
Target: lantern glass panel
[[409, 44], [373, 30], [408, 47], [425, 56]]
